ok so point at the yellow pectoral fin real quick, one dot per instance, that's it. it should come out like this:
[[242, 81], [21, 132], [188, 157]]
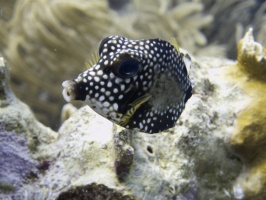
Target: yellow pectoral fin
[[135, 105], [92, 59], [138, 102]]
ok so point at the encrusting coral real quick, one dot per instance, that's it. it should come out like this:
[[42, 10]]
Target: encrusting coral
[[248, 139], [252, 57]]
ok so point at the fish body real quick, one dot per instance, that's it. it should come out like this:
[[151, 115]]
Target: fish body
[[138, 84]]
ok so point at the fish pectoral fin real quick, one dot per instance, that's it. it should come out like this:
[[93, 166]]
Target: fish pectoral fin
[[138, 102], [92, 60], [135, 105]]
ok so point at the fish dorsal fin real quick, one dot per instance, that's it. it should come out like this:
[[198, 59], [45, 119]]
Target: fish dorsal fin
[[184, 53], [134, 106], [187, 61], [173, 41]]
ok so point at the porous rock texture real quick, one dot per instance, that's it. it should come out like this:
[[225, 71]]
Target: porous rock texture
[[20, 137], [189, 161], [91, 158]]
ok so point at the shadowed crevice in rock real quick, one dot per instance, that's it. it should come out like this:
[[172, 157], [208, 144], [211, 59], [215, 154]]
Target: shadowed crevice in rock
[[93, 191]]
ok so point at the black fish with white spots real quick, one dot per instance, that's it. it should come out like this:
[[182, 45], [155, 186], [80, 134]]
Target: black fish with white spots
[[138, 84]]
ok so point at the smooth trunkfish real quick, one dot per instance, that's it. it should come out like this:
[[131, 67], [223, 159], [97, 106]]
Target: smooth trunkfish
[[139, 84]]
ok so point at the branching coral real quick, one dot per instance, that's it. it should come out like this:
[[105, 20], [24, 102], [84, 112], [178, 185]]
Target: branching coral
[[47, 41], [6, 9], [167, 19], [3, 34], [231, 20]]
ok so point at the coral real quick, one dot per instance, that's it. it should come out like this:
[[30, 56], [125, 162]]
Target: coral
[[6, 9], [252, 57], [6, 12], [50, 47], [189, 161], [232, 18], [3, 33], [248, 139], [89, 153], [166, 19], [6, 95]]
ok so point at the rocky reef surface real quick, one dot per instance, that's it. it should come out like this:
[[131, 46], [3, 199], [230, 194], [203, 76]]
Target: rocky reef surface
[[215, 151], [20, 136], [54, 46]]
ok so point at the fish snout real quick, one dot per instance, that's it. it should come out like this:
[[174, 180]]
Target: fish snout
[[74, 90], [68, 91]]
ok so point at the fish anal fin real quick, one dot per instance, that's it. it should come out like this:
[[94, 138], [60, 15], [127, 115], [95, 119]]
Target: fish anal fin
[[134, 106]]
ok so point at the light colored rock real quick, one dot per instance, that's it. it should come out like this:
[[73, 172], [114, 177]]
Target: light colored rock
[[189, 161], [20, 137]]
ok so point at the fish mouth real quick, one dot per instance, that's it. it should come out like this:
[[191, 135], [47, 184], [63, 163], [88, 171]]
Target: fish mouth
[[74, 90], [68, 91]]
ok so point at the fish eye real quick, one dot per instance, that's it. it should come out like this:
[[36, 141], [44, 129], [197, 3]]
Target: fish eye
[[127, 67], [102, 43]]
